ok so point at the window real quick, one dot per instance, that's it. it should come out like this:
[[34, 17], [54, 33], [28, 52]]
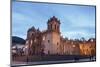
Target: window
[[51, 26], [48, 41], [55, 26], [57, 43]]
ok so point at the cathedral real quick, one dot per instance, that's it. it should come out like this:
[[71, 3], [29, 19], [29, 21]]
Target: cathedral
[[50, 41]]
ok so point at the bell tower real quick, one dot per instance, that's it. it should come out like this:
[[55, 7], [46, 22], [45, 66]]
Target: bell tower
[[53, 25], [52, 38]]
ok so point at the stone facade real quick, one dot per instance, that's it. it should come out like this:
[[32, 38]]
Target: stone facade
[[52, 37], [88, 47], [33, 41]]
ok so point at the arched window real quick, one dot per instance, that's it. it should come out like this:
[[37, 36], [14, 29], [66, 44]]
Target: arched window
[[48, 41], [57, 43], [55, 26], [51, 26]]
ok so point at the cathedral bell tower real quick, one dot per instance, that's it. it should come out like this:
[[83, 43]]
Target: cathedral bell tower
[[53, 25], [52, 37]]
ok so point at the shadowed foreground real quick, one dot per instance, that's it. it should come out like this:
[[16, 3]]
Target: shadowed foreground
[[27, 60]]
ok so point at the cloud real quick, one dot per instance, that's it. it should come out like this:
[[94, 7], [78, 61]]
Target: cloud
[[76, 21]]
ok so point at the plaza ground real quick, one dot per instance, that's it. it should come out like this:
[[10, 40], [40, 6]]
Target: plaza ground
[[49, 59]]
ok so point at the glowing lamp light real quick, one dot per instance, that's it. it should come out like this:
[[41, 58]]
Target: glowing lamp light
[[73, 45]]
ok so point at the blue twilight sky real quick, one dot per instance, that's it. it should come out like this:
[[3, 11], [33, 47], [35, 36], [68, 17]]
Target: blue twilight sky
[[76, 21]]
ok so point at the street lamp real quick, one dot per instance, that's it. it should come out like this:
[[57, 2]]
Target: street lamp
[[73, 45]]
